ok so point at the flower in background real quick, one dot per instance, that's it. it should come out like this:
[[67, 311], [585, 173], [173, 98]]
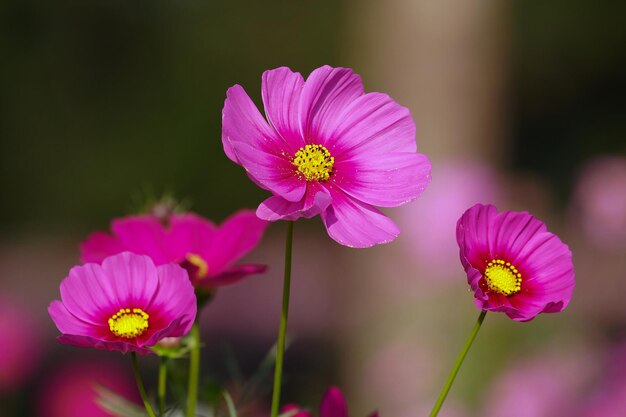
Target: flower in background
[[71, 390], [326, 148], [600, 197], [513, 264], [333, 405], [608, 398], [20, 344], [205, 250], [125, 304], [545, 386], [427, 226]]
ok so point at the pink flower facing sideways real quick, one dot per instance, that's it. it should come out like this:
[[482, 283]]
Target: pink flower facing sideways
[[205, 250], [125, 304], [326, 148], [513, 264], [333, 405]]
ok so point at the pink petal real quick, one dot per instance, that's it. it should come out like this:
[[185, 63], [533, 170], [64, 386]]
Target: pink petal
[[143, 235], [132, 280], [178, 328], [232, 275], [242, 122], [67, 323], [281, 90], [237, 236], [90, 342], [373, 124], [316, 200], [189, 233], [274, 173], [356, 224], [88, 295], [387, 180], [327, 91], [333, 404], [98, 246], [175, 297]]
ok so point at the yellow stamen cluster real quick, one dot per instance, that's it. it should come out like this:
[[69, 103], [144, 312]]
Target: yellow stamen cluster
[[503, 277], [198, 262], [314, 163], [129, 323]]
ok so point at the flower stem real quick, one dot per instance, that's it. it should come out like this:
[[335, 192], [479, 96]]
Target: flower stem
[[457, 365], [194, 370], [142, 390], [280, 348], [162, 382]]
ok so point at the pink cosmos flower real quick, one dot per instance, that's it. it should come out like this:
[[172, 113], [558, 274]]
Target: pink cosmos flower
[[326, 148], [125, 304], [513, 263], [20, 344], [600, 199], [71, 391], [208, 252], [333, 405]]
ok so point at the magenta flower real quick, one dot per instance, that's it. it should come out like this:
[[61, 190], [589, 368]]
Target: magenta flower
[[71, 390], [513, 263], [208, 252], [326, 148], [125, 304], [333, 405]]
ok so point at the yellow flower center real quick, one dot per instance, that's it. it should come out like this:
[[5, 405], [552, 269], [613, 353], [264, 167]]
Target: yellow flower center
[[129, 323], [503, 277], [200, 264], [314, 163]]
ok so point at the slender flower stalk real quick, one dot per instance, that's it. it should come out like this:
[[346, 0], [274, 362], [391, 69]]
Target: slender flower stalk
[[280, 348], [162, 384], [457, 365], [194, 370], [140, 387]]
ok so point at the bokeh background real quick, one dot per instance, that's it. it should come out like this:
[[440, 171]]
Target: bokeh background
[[106, 105]]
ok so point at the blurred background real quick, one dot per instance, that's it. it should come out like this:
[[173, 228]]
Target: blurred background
[[105, 105]]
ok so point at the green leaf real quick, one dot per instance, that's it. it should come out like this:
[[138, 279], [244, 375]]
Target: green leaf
[[118, 405]]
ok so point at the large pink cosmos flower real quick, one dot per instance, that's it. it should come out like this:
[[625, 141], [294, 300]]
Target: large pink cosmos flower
[[333, 405], [208, 252], [125, 304], [513, 264], [326, 148]]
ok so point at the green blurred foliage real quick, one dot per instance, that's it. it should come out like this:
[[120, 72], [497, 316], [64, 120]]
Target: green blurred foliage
[[568, 64], [104, 102]]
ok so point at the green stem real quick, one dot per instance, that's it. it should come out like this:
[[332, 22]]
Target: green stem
[[162, 382], [457, 365], [280, 347], [194, 370], [142, 390]]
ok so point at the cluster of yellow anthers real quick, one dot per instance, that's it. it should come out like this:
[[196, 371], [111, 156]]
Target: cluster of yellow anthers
[[314, 162], [129, 323], [198, 262], [503, 277]]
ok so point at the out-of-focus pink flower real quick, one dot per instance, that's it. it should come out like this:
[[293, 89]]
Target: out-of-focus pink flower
[[539, 387], [513, 264], [20, 344], [71, 391], [609, 398], [333, 405], [600, 198], [208, 252], [428, 226], [326, 148], [125, 304]]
